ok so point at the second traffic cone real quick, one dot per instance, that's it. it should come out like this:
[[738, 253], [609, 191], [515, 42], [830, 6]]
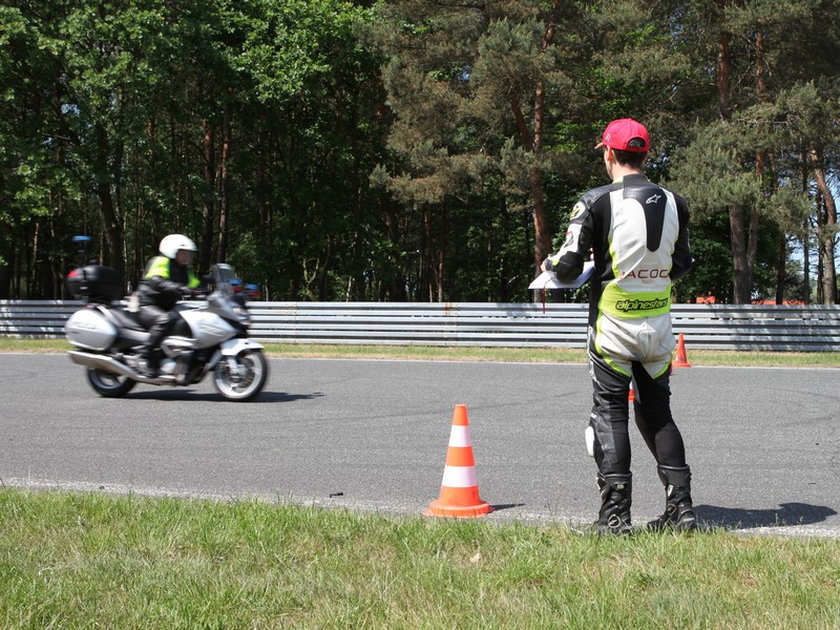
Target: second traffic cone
[[459, 488], [681, 360], [631, 396]]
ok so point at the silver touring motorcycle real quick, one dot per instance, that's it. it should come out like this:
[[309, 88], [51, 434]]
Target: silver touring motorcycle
[[209, 337]]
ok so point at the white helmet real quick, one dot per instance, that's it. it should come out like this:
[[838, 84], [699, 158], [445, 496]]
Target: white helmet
[[170, 245]]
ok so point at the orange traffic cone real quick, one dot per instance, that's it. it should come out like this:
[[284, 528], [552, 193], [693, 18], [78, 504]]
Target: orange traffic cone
[[631, 396], [459, 489], [681, 360]]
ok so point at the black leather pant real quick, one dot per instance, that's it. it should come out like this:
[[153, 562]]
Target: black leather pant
[[610, 416], [158, 322]]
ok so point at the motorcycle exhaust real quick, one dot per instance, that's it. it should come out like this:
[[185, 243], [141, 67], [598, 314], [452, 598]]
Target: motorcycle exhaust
[[109, 364]]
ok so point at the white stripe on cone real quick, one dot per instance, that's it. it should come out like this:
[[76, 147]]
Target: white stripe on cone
[[459, 477], [459, 436]]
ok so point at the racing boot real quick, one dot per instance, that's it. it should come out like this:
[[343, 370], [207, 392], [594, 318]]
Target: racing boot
[[679, 511], [616, 498]]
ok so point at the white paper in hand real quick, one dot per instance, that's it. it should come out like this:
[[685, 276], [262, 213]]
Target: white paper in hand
[[547, 279]]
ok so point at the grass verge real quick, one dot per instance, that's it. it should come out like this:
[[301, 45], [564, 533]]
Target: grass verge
[[99, 561], [470, 353]]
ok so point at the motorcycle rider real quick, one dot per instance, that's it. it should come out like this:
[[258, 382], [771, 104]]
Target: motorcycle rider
[[637, 233], [168, 278]]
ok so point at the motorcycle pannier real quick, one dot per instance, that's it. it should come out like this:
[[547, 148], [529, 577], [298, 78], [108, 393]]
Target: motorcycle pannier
[[95, 282]]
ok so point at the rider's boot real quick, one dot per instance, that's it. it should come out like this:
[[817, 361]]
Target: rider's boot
[[679, 510], [616, 498], [150, 362]]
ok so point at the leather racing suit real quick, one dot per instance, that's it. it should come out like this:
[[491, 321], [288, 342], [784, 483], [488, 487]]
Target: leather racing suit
[[637, 233]]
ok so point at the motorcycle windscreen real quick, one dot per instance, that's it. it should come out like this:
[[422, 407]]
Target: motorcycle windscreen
[[223, 275]]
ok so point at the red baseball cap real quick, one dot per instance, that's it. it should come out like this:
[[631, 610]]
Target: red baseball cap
[[625, 134]]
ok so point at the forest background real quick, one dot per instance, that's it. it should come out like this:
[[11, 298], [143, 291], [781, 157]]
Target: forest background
[[425, 150]]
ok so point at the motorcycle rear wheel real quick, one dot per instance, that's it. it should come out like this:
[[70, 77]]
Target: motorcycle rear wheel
[[108, 384], [248, 383]]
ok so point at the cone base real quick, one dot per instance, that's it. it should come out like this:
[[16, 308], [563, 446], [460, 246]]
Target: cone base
[[679, 363], [436, 508]]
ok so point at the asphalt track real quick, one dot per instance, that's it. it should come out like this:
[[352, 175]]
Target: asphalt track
[[763, 443]]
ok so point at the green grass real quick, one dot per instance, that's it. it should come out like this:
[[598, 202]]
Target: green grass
[[99, 561], [561, 355]]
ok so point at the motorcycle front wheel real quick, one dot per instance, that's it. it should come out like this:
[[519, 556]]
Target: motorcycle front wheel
[[241, 377], [108, 384]]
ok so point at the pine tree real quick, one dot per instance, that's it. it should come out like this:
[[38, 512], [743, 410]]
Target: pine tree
[[476, 89], [740, 158]]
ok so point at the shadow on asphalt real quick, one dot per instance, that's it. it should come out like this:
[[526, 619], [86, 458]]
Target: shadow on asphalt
[[505, 506], [785, 514], [187, 394]]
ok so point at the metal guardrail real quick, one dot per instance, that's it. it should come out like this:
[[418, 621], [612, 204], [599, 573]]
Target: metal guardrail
[[811, 328], [707, 326]]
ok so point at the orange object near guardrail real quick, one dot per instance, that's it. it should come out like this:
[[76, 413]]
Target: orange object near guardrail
[[681, 360]]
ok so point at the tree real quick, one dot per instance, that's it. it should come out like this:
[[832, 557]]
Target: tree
[[410, 149], [37, 189], [135, 119], [737, 159], [476, 90]]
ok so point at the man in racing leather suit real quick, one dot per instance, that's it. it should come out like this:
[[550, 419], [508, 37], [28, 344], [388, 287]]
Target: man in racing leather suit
[[637, 234], [167, 279]]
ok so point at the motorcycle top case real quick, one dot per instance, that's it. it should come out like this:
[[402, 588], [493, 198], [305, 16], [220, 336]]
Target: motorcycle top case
[[95, 282], [88, 328]]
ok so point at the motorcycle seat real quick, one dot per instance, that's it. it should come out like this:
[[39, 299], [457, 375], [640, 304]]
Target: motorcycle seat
[[126, 320]]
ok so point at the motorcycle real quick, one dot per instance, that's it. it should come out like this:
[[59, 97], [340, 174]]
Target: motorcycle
[[209, 337]]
